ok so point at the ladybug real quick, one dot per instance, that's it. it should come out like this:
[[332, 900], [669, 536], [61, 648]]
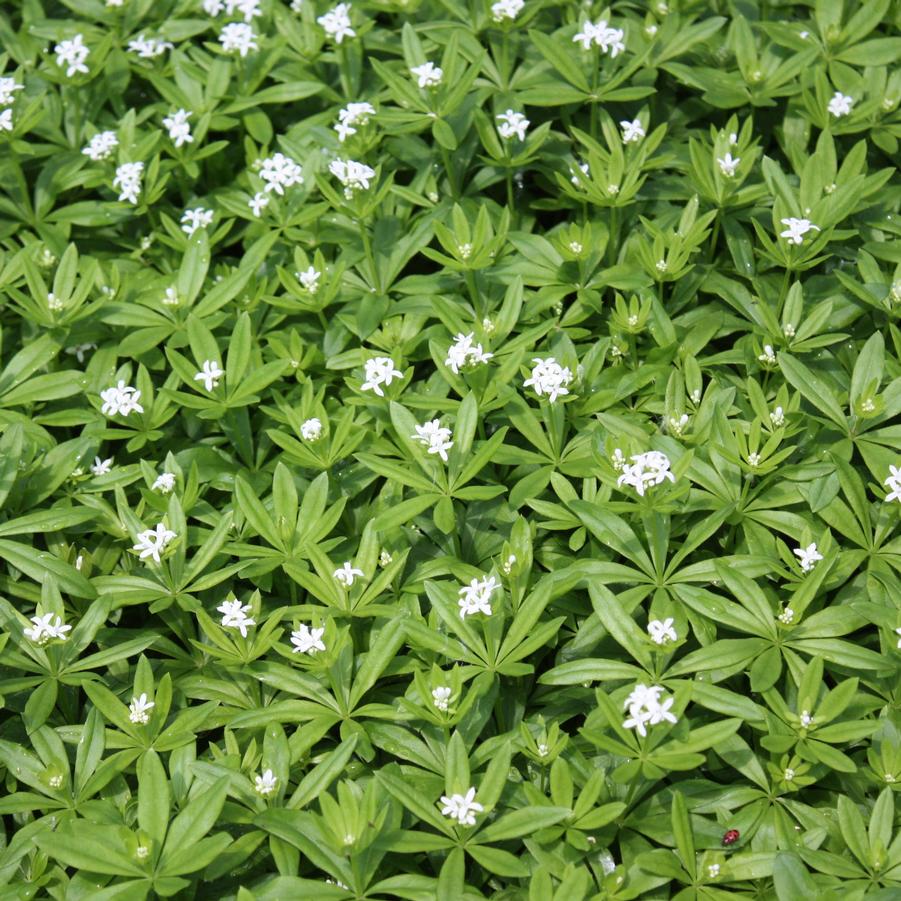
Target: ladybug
[[730, 837]]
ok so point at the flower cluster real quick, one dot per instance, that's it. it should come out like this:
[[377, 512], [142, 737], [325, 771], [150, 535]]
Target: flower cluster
[[354, 176], [352, 115], [645, 471], [280, 172], [120, 400], [152, 542], [234, 616], [476, 596], [646, 708], [379, 371], [600, 34], [336, 23], [435, 437], [47, 627], [307, 640], [462, 808], [549, 378]]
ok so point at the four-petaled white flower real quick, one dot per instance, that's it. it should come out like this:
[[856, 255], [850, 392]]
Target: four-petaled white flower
[[646, 709], [138, 709], [441, 697], [355, 176], [352, 115], [234, 616], [152, 542], [209, 374], [379, 371], [8, 87], [796, 229], [265, 783], [476, 596], [148, 48], [777, 418], [632, 131], [258, 203], [279, 172], [462, 808], [894, 484], [307, 640], [238, 37], [347, 573], [662, 631], [191, 220], [549, 377], [728, 165], [435, 437], [512, 124], [768, 356], [72, 53], [808, 556], [428, 75], [336, 23], [128, 181], [44, 628], [311, 429], [506, 9], [464, 353], [101, 146], [6, 120], [645, 471], [309, 278], [101, 467], [840, 104], [120, 400], [600, 34], [164, 482]]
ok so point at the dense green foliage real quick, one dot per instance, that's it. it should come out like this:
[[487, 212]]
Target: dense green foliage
[[450, 450]]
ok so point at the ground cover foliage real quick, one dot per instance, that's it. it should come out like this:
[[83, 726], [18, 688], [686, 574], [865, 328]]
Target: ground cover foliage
[[449, 451]]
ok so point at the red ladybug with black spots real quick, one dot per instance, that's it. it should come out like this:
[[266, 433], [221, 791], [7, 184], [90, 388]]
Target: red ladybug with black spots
[[730, 837]]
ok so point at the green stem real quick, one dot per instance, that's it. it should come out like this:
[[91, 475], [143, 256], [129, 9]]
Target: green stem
[[613, 238], [370, 258], [449, 172], [471, 284], [714, 237], [784, 291]]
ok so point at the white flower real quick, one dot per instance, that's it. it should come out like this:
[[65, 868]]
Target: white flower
[[768, 356], [179, 129], [79, 351], [137, 709], [336, 23], [128, 181], [164, 482], [894, 483], [632, 131], [385, 558], [353, 114], [601, 35], [72, 54], [618, 460], [728, 165], [280, 172], [508, 564], [806, 718], [549, 377], [43, 629], [441, 697], [808, 556], [840, 104], [777, 418], [713, 870], [898, 632], [462, 808], [428, 75], [645, 471], [311, 429], [476, 597], [265, 784], [789, 774], [170, 298], [754, 460], [309, 278], [238, 37], [152, 542], [662, 632], [209, 374], [234, 616], [677, 425], [660, 265], [307, 640], [6, 120], [249, 9], [506, 9], [347, 573], [191, 220], [379, 371], [646, 709], [120, 400], [101, 146], [353, 175], [512, 124], [787, 616], [8, 87], [148, 48], [796, 230], [435, 437], [463, 352], [258, 203], [101, 467]]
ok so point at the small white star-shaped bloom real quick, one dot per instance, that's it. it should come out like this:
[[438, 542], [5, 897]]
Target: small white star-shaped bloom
[[120, 400], [662, 632], [353, 175], [728, 165], [258, 203], [309, 278], [435, 437], [307, 640], [346, 574], [191, 220], [462, 808], [476, 597], [101, 146], [210, 374], [379, 371], [138, 709], [768, 356], [102, 467], [6, 120], [238, 37], [463, 353], [894, 484], [441, 697], [840, 104], [352, 115], [645, 471], [512, 124], [632, 131], [428, 75], [8, 88], [645, 708], [128, 181], [149, 48], [336, 23], [787, 617], [796, 229], [311, 429], [808, 556], [280, 172], [265, 783], [43, 629], [506, 9], [777, 418], [164, 482], [72, 53], [152, 542], [234, 616], [549, 377]]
